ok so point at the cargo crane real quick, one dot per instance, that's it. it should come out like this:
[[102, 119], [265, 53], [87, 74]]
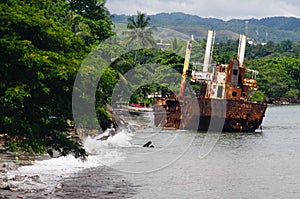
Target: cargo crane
[[224, 95]]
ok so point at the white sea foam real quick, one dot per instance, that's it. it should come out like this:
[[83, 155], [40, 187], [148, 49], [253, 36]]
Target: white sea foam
[[121, 139], [50, 172]]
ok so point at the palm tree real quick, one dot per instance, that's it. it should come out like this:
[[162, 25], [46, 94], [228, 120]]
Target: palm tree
[[139, 33], [178, 46], [79, 28]]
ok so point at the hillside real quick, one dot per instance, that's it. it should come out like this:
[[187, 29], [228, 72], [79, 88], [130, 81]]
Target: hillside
[[274, 29], [161, 33]]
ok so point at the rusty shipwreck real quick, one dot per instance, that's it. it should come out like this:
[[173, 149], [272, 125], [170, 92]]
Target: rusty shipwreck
[[223, 102]]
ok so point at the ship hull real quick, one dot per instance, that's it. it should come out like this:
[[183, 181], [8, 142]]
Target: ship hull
[[209, 114]]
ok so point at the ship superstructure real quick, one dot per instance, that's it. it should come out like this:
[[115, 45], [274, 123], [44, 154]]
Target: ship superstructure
[[224, 95]]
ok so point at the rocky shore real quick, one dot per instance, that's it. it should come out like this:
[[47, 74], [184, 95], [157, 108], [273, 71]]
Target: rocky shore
[[6, 188], [283, 101], [12, 161], [98, 182]]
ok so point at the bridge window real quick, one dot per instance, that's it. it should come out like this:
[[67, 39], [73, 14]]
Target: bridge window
[[235, 71], [220, 92]]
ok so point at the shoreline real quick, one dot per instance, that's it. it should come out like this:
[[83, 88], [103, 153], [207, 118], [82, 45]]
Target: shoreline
[[11, 161], [93, 182], [283, 104], [98, 182]]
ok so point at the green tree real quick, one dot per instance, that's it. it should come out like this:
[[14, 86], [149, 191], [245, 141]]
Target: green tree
[[139, 33], [95, 16], [158, 64], [78, 26], [224, 51], [39, 59], [278, 77]]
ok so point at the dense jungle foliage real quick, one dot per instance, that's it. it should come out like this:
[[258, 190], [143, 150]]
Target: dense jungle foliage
[[42, 46], [44, 43]]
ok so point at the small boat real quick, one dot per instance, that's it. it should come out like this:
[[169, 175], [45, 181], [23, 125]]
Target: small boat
[[138, 109]]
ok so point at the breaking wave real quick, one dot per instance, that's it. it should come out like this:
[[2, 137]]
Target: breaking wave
[[45, 175]]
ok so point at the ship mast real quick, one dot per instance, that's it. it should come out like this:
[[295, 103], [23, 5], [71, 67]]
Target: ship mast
[[204, 75], [208, 50], [186, 66], [241, 50]]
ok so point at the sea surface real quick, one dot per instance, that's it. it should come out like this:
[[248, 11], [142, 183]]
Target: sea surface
[[184, 164]]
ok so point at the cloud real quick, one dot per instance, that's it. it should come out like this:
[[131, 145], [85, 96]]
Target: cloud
[[210, 8]]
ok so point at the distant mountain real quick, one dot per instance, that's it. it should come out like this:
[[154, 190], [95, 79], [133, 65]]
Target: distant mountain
[[161, 33], [267, 29], [280, 23]]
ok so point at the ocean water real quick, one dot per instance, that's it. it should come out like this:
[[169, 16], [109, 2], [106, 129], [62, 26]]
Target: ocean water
[[240, 165], [265, 164]]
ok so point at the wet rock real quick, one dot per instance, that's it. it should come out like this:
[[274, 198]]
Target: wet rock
[[2, 196], [7, 166], [3, 180], [2, 175], [5, 186], [3, 168], [19, 178], [105, 137], [59, 185], [149, 144], [35, 178]]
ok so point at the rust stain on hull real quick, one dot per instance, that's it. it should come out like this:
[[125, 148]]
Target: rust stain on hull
[[237, 116], [222, 104]]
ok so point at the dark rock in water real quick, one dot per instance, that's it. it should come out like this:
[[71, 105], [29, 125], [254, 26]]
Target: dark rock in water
[[104, 137], [149, 144], [6, 188]]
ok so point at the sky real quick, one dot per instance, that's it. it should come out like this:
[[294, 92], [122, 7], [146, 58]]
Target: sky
[[221, 9]]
